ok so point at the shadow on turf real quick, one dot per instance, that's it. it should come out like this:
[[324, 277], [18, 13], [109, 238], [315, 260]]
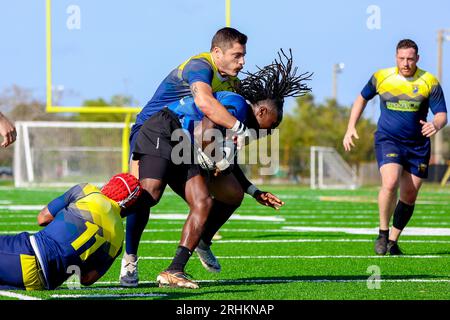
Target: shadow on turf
[[343, 278], [151, 288]]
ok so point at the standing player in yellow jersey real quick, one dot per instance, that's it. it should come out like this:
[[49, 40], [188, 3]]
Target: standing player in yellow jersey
[[402, 139], [199, 76], [83, 231]]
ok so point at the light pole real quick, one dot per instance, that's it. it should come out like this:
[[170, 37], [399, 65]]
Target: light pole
[[443, 35], [337, 68]]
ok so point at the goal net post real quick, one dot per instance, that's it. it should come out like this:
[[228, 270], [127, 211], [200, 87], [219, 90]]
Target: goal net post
[[66, 153], [330, 171]]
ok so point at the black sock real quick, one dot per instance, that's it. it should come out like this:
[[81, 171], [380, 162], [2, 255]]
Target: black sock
[[402, 214], [384, 233], [181, 258], [219, 214]]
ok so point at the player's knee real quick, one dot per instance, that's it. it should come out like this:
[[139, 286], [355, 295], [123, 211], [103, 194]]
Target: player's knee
[[408, 194], [409, 197], [202, 204], [153, 189], [390, 184]]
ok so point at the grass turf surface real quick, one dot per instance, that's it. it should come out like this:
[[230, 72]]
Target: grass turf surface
[[266, 260]]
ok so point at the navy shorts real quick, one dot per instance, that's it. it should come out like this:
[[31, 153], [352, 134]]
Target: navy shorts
[[414, 158], [154, 148], [132, 139], [19, 268]]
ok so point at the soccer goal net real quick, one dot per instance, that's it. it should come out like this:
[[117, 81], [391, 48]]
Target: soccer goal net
[[330, 171], [66, 153]]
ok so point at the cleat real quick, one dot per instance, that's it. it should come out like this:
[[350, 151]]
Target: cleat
[[217, 236], [175, 279], [129, 271], [207, 258], [381, 245], [394, 249]]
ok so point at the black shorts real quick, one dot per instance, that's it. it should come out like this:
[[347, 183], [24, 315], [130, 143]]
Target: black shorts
[[162, 169], [154, 145]]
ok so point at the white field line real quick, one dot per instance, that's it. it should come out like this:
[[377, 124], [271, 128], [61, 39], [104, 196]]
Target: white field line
[[364, 199], [156, 216], [119, 295], [24, 207], [287, 209], [216, 242], [183, 216], [362, 223], [19, 296], [356, 217], [17, 216], [313, 257], [412, 231], [297, 281]]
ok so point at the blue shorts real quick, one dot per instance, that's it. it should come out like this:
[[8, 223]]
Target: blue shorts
[[132, 139], [413, 158], [19, 268]]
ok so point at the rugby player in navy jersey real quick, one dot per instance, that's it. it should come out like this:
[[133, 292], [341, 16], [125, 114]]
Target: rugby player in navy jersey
[[201, 75], [83, 231], [402, 139], [259, 105]]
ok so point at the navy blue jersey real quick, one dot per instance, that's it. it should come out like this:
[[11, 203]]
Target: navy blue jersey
[[87, 232], [404, 102], [177, 84], [189, 114]]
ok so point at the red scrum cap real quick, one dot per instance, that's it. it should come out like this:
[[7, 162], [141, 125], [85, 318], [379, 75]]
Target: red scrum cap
[[124, 188]]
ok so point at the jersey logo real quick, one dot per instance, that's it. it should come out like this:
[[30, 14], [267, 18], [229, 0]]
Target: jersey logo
[[391, 155], [403, 105], [415, 89], [422, 167]]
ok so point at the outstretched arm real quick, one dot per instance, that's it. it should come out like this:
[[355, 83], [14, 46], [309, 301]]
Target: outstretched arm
[[357, 110], [263, 197]]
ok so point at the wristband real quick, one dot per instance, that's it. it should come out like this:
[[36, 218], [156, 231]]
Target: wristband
[[222, 164], [238, 127], [252, 190]]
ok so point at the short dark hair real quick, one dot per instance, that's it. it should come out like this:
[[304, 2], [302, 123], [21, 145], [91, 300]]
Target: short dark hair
[[225, 37], [406, 44]]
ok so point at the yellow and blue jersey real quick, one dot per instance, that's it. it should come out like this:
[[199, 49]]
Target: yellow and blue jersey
[[87, 232], [404, 102], [188, 113], [177, 84]]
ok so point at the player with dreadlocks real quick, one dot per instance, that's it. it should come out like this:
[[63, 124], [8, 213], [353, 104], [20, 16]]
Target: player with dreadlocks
[[258, 104]]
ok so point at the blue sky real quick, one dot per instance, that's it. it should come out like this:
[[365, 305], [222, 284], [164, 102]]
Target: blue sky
[[129, 47]]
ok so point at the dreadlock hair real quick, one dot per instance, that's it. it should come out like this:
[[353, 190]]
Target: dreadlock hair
[[274, 82]]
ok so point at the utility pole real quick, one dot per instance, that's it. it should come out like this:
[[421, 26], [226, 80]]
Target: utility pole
[[337, 68], [439, 138]]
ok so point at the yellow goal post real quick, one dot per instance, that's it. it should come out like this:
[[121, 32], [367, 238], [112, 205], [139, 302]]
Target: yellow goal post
[[127, 110]]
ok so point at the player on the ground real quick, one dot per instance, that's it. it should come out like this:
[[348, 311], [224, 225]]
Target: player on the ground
[[201, 76], [402, 140], [83, 234]]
